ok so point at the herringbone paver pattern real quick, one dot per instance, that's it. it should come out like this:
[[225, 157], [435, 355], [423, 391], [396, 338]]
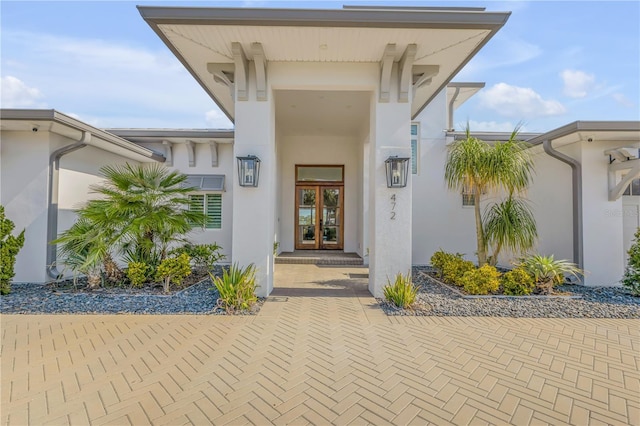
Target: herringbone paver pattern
[[326, 355]]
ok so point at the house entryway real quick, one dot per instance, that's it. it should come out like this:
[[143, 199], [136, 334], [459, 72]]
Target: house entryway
[[319, 215]]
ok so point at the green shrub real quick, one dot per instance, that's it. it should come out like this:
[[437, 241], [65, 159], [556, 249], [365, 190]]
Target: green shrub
[[402, 292], [517, 282], [631, 279], [9, 248], [236, 288], [203, 256], [450, 267], [138, 273], [173, 270], [548, 272], [483, 280]]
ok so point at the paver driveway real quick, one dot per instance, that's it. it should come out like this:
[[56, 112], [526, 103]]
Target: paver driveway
[[326, 355]]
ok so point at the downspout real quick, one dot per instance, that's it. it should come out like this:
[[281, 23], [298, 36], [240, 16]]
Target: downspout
[[451, 102], [576, 183], [52, 198]]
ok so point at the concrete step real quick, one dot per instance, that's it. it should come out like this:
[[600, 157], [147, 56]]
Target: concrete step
[[319, 257]]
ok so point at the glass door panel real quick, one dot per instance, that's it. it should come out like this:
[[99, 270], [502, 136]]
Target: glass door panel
[[306, 217], [331, 218]]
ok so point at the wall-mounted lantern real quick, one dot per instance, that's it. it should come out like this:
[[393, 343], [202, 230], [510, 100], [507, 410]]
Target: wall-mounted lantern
[[397, 171], [248, 170]]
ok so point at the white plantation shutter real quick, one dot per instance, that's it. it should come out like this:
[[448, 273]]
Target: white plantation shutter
[[211, 206]]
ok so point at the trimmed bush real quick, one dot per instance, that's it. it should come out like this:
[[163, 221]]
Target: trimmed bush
[[631, 279], [483, 280], [402, 292], [137, 272], [203, 256], [517, 282], [237, 288], [9, 248], [450, 267], [173, 270]]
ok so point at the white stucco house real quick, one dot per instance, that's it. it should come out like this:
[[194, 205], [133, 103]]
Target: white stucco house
[[324, 98]]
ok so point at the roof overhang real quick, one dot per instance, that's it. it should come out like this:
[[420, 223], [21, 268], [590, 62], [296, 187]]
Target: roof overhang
[[56, 122], [446, 39], [492, 136], [591, 131], [174, 135], [459, 93]]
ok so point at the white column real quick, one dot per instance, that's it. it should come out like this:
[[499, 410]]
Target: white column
[[602, 221], [253, 208], [389, 208]]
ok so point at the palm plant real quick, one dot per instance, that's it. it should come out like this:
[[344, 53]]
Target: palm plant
[[511, 225], [547, 271], [142, 209], [84, 249], [479, 168]]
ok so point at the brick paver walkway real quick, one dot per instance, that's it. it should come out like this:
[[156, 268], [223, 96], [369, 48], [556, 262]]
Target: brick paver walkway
[[325, 355]]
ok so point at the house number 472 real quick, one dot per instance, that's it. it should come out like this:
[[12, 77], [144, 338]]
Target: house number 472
[[393, 207]]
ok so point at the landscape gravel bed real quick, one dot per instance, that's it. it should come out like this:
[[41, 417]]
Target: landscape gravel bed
[[435, 299], [26, 298]]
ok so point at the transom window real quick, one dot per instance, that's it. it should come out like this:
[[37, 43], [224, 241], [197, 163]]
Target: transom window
[[320, 173], [211, 206]]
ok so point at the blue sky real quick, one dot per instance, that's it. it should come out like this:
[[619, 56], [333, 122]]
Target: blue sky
[[551, 64]]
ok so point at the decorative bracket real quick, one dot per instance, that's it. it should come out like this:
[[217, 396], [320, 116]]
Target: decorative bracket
[[405, 75], [241, 71], [616, 190], [224, 74], [386, 65], [191, 152], [423, 74], [213, 145], [260, 62], [168, 153]]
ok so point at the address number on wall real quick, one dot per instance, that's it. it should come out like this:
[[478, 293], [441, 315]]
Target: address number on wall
[[393, 207]]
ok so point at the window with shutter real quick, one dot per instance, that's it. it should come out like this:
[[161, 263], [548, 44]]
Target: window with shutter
[[211, 206]]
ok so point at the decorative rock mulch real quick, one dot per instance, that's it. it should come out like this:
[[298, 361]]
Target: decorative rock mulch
[[200, 298], [435, 299]]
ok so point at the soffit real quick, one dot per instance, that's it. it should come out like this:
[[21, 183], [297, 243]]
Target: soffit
[[331, 113], [447, 38]]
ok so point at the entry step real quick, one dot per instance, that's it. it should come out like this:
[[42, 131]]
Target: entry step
[[319, 257]]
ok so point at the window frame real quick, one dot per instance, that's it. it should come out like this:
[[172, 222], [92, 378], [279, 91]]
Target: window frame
[[415, 161]]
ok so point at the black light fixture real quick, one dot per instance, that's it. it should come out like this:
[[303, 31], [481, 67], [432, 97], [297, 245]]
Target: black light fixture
[[248, 170], [397, 171]]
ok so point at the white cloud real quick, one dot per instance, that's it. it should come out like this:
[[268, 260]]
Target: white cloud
[[577, 84], [519, 102], [16, 94], [105, 81], [623, 100], [217, 120]]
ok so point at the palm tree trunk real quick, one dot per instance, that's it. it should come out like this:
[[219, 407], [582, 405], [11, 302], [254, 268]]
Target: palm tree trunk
[[482, 250]]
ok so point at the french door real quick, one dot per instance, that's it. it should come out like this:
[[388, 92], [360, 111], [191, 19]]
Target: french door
[[319, 217]]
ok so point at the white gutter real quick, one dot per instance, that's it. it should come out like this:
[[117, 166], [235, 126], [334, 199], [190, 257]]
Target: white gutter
[[52, 198], [576, 183]]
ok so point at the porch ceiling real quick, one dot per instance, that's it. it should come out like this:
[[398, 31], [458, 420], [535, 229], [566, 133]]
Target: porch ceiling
[[444, 37], [332, 113]]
